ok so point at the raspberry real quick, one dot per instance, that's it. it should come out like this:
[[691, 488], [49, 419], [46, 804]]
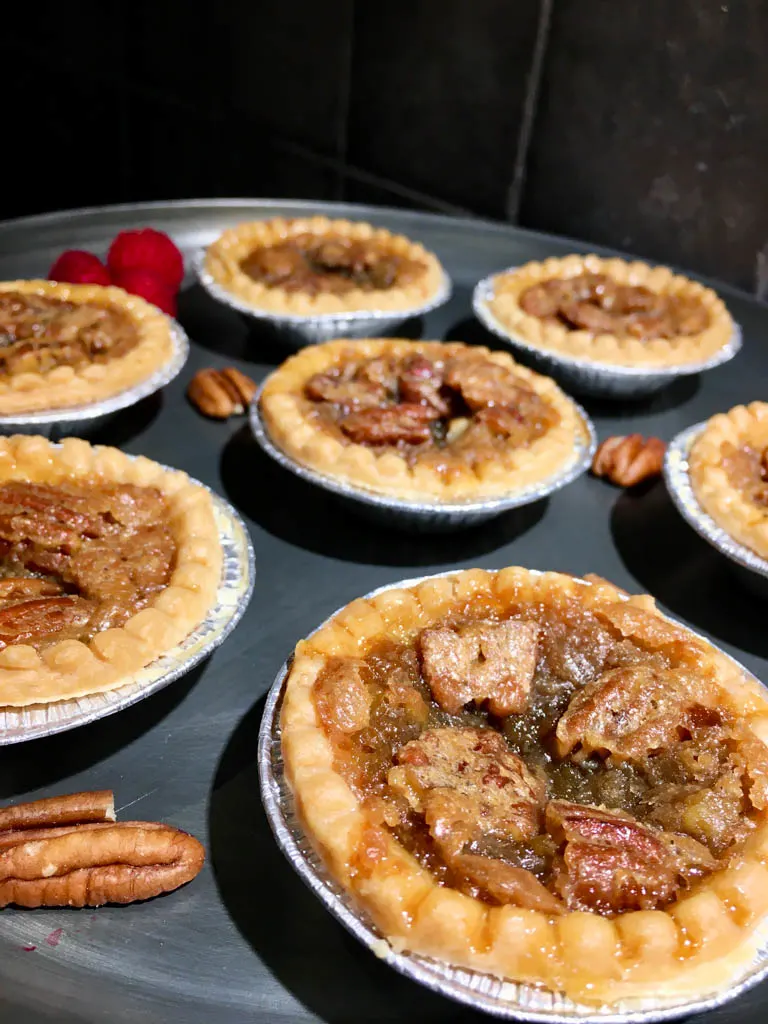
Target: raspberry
[[76, 266], [147, 249], [150, 287]]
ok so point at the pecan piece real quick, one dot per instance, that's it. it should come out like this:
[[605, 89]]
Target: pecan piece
[[221, 393], [628, 460], [75, 809], [92, 864]]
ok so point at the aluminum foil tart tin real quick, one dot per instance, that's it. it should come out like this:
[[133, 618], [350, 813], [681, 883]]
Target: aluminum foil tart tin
[[748, 566], [83, 419], [499, 998], [237, 578], [297, 331], [583, 376], [426, 517]]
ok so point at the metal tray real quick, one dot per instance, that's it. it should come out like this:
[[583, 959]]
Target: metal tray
[[499, 998], [246, 942]]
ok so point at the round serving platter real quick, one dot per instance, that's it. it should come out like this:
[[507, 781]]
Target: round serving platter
[[247, 941]]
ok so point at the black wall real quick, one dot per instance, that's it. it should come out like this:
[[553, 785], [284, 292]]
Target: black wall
[[642, 125]]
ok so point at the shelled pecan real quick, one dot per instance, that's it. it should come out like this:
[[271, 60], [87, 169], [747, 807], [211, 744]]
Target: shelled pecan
[[68, 861], [627, 460], [221, 393]]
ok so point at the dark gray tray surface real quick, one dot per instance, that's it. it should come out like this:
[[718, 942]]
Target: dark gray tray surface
[[246, 941]]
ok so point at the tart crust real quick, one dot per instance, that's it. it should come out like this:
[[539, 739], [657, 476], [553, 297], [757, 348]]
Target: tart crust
[[223, 258], [389, 472], [698, 944], [71, 668], [65, 386], [743, 520], [608, 348]]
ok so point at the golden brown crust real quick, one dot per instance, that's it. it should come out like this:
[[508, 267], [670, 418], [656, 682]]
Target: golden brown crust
[[608, 348], [742, 519], [701, 942], [223, 259], [389, 472], [72, 669], [66, 386]]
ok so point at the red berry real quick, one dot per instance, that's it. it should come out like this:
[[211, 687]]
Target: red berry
[[150, 287], [76, 266], [147, 249]]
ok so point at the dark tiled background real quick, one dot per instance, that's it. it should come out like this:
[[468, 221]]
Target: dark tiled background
[[643, 126]]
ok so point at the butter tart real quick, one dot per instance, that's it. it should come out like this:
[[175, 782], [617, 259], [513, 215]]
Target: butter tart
[[74, 344], [106, 563], [611, 311], [420, 420], [728, 467], [537, 777], [313, 266]]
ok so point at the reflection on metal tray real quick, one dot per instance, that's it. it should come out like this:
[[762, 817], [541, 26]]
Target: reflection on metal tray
[[495, 996]]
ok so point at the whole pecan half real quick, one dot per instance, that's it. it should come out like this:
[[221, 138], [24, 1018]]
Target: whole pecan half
[[629, 459], [88, 865], [221, 393]]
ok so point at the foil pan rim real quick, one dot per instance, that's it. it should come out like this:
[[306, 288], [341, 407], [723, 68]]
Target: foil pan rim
[[227, 298], [483, 292], [678, 481], [583, 454], [19, 725], [122, 400], [440, 977]]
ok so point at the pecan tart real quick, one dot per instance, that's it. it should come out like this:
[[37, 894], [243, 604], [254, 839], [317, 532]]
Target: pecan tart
[[106, 562], [612, 311], [313, 266], [73, 344], [538, 777], [728, 467], [420, 420]]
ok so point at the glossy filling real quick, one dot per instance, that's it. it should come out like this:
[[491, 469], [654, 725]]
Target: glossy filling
[[460, 411], [38, 333], [75, 560], [331, 264], [747, 471], [535, 756], [599, 305]]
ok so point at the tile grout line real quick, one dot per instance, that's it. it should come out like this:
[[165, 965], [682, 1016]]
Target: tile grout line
[[530, 109]]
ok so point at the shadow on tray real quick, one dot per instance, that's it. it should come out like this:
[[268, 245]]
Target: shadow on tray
[[683, 572], [311, 955], [310, 518], [44, 763]]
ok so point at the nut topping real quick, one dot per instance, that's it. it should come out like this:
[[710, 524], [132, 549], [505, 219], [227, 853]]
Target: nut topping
[[221, 393], [81, 857], [630, 459]]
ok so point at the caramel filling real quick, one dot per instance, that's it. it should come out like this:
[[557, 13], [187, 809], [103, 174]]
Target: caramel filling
[[599, 305], [536, 756], [330, 264], [453, 413], [38, 333], [75, 560]]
